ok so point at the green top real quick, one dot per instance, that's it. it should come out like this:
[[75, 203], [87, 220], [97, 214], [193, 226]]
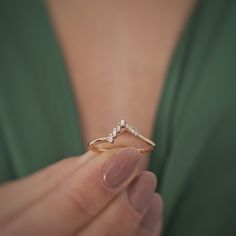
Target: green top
[[195, 130]]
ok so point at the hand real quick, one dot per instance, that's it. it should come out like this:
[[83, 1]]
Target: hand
[[93, 195]]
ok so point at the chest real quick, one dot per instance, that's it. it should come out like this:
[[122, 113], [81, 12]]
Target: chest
[[117, 54]]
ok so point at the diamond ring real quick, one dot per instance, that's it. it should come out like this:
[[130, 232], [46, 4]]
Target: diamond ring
[[123, 126]]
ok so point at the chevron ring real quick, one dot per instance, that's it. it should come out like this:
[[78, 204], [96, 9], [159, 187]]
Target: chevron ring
[[120, 128]]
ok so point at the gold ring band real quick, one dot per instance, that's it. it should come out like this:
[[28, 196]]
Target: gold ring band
[[123, 125]]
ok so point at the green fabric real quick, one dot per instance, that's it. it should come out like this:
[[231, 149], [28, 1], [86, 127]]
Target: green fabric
[[195, 128], [38, 120]]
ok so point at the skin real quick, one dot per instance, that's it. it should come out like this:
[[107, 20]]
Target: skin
[[69, 198], [117, 54]]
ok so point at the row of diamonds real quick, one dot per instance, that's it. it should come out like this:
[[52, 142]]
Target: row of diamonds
[[117, 130]]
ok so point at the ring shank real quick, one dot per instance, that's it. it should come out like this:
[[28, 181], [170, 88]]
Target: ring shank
[[94, 145]]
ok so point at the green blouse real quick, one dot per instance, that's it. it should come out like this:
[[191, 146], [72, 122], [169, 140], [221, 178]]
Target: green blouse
[[195, 128]]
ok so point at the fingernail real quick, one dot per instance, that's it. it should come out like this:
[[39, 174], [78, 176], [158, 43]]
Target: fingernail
[[121, 166], [140, 191], [153, 218]]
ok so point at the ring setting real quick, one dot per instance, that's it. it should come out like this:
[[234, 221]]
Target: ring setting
[[122, 126]]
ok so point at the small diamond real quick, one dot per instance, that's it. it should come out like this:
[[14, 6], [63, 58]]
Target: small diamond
[[118, 128], [110, 138], [114, 132], [135, 131], [122, 122]]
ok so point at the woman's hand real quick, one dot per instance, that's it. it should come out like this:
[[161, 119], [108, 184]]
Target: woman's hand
[[94, 195]]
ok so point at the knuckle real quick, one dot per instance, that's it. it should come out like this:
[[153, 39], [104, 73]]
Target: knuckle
[[118, 224], [81, 203], [113, 230]]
